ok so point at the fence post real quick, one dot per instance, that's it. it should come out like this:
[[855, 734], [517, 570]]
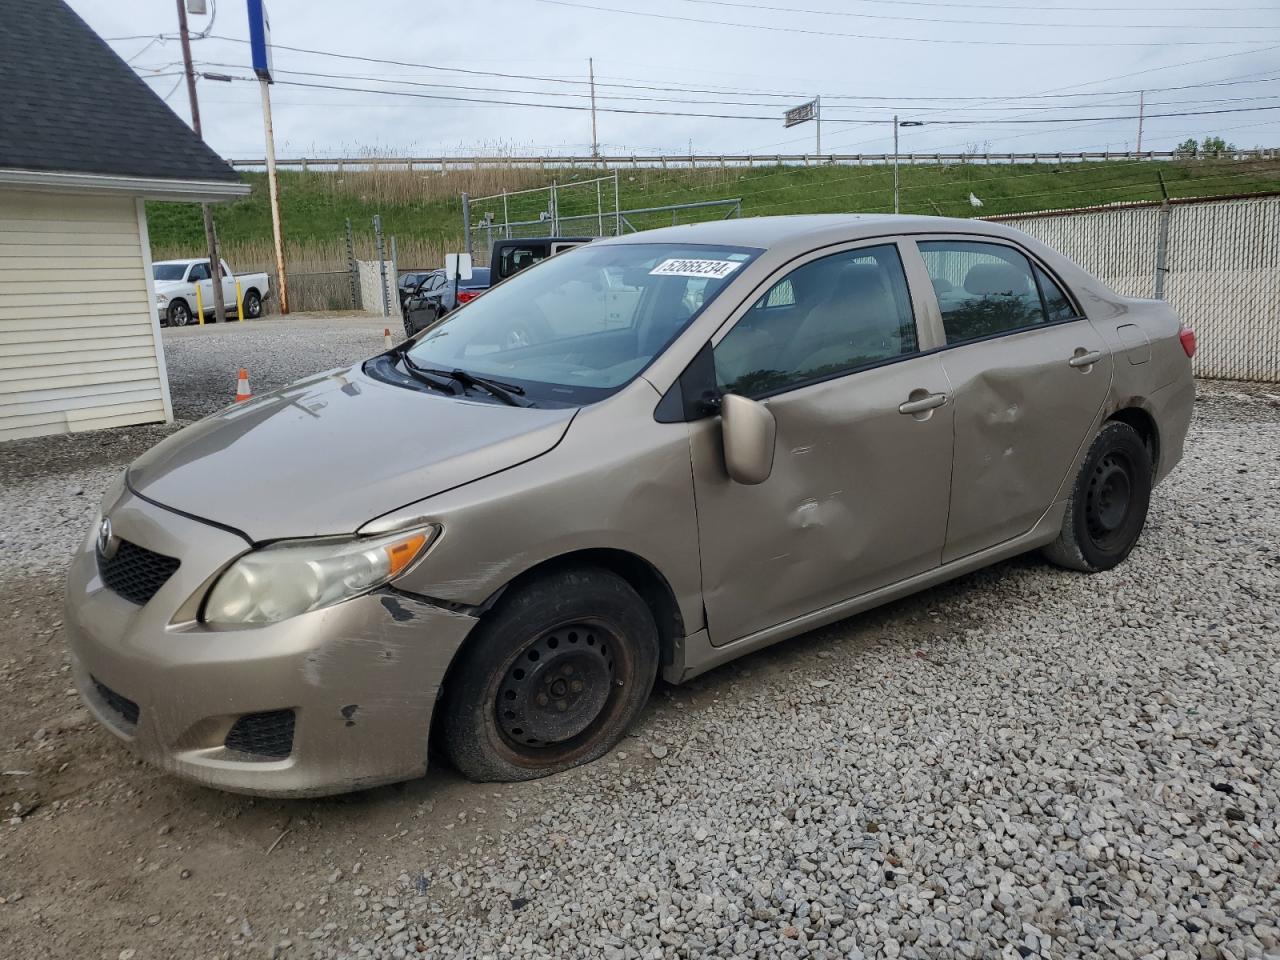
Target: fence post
[[617, 207], [466, 222], [353, 272], [395, 276], [1162, 240], [382, 263]]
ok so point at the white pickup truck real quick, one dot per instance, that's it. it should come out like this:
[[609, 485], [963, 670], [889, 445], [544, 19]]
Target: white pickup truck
[[176, 282]]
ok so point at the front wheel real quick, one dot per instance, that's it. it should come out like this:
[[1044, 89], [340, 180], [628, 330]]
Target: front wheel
[[179, 313], [1108, 505], [554, 676]]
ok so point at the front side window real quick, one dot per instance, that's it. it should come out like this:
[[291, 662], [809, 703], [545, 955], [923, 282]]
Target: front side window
[[586, 321], [199, 271], [983, 289], [830, 316]]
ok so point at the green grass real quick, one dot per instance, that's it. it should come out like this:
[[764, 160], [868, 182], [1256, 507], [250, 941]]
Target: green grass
[[424, 206]]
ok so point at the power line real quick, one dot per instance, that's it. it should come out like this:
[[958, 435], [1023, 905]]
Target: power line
[[735, 4], [738, 116], [872, 36], [762, 93], [727, 103]]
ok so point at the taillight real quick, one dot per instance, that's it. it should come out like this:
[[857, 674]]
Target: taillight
[[1187, 337], [466, 296]]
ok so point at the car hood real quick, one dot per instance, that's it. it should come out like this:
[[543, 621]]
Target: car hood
[[168, 286], [327, 454]]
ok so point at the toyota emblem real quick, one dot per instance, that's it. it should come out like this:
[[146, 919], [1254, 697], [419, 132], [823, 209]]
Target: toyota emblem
[[108, 543]]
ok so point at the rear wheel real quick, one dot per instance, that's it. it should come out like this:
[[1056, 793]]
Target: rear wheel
[[553, 678], [252, 304], [1108, 505]]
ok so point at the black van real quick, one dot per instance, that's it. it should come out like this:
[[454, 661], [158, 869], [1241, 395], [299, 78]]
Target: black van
[[512, 256]]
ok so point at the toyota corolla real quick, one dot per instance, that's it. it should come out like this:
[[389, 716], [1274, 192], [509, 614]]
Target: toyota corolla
[[641, 458]]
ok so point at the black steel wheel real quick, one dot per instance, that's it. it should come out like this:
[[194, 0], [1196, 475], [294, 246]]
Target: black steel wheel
[[1108, 505], [179, 313], [552, 678]]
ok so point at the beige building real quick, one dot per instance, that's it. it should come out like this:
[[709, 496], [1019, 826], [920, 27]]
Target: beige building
[[81, 150]]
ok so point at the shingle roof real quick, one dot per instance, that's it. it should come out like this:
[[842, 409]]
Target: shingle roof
[[68, 103]]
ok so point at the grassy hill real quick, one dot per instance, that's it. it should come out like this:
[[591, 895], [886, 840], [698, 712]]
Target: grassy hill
[[422, 208]]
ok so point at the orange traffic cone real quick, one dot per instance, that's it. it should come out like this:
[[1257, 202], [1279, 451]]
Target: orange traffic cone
[[386, 337], [242, 386]]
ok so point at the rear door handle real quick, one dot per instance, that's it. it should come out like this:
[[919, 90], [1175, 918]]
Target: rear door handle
[[1085, 359], [920, 405]]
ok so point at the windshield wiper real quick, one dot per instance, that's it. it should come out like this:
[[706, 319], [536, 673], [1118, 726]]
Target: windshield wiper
[[425, 376], [495, 388]]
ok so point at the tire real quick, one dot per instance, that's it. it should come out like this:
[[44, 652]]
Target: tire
[[252, 304], [179, 314], [1108, 505], [552, 678]]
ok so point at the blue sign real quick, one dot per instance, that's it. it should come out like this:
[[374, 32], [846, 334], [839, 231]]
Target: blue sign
[[260, 39]]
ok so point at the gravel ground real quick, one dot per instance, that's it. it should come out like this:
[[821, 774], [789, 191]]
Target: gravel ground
[[1024, 762], [51, 485]]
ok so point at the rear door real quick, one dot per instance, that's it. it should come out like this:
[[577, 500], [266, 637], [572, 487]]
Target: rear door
[[858, 494], [1029, 375]]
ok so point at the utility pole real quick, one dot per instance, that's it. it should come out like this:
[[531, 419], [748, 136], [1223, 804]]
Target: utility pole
[[895, 163], [595, 139], [273, 188], [211, 241], [817, 116], [1142, 102]]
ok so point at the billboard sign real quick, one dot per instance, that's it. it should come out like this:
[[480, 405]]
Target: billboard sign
[[801, 114], [260, 39]]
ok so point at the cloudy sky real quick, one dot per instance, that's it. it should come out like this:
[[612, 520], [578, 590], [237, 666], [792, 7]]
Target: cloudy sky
[[966, 70]]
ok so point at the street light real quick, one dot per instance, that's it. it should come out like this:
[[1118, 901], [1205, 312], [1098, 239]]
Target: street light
[[896, 124]]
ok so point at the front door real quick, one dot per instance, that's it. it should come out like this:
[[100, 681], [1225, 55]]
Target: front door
[[1029, 375], [858, 494]]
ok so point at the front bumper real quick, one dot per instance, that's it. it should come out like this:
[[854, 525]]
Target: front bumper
[[361, 678]]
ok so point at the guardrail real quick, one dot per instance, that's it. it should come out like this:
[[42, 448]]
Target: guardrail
[[668, 161]]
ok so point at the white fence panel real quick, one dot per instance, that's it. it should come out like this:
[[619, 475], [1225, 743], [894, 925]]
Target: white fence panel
[[1223, 272]]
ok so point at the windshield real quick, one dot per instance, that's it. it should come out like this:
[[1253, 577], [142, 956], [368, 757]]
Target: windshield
[[169, 271], [581, 324]]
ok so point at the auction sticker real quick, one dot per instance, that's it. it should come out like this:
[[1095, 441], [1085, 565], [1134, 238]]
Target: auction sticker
[[712, 269]]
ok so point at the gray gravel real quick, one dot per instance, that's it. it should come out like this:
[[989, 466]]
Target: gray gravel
[[1023, 763], [50, 486]]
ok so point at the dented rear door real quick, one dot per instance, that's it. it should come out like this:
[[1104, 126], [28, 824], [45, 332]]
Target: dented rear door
[[1025, 400]]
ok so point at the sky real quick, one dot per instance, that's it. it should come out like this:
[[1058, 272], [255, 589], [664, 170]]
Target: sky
[[965, 71]]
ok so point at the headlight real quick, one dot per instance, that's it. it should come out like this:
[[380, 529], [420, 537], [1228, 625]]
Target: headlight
[[161, 299], [293, 577]]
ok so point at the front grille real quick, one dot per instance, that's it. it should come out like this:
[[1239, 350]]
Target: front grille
[[135, 572], [122, 707], [265, 735]]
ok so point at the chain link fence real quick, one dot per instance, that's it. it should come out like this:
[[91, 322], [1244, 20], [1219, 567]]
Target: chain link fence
[[1221, 265], [574, 208]]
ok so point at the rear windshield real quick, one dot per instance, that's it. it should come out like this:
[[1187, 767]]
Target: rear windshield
[[586, 321], [169, 271]]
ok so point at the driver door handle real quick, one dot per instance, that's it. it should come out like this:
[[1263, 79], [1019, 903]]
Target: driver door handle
[[1085, 359], [922, 404]]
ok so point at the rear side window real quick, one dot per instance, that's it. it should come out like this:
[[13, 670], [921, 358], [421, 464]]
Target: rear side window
[[830, 316], [983, 289], [1056, 303]]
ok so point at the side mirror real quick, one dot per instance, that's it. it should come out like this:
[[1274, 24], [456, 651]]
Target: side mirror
[[749, 435]]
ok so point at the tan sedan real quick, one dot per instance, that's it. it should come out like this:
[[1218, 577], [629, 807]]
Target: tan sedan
[[649, 455]]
